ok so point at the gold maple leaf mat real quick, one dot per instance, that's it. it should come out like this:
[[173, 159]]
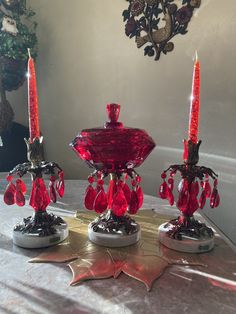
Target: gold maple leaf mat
[[145, 261]]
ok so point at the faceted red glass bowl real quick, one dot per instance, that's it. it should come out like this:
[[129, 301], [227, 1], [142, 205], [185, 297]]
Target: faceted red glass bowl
[[113, 147]]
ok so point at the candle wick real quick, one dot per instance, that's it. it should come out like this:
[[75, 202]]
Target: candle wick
[[29, 52]]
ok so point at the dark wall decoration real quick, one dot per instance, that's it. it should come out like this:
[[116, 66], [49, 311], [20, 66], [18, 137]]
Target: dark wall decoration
[[154, 23]]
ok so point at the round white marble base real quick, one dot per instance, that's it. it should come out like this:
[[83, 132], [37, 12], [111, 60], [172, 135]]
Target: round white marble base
[[187, 244], [113, 240], [33, 241]]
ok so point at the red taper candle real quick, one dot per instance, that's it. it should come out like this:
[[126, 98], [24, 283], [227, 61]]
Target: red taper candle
[[195, 104], [32, 100]]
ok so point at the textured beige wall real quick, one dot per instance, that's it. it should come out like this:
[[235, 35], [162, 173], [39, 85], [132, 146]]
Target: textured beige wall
[[85, 61]]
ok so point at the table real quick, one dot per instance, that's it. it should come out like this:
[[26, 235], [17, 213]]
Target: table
[[27, 288]]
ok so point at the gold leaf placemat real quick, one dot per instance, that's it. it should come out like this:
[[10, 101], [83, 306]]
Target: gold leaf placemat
[[145, 261]]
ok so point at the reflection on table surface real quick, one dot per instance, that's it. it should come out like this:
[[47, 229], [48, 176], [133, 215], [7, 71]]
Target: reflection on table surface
[[43, 288]]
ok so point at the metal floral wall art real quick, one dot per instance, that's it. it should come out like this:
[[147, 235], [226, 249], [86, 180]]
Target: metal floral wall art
[[154, 23]]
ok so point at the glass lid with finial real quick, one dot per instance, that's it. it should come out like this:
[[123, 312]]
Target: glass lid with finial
[[113, 147]]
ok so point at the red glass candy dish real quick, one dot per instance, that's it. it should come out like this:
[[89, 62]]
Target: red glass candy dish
[[113, 150], [113, 147]]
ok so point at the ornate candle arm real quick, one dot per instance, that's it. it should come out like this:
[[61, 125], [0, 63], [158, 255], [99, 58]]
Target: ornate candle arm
[[42, 228]]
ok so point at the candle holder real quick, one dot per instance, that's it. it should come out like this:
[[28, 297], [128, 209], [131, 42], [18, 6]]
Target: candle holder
[[185, 233], [42, 229], [113, 151]]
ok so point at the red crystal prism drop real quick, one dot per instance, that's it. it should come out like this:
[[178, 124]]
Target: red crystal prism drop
[[163, 190], [193, 204], [100, 182], [90, 179], [195, 188], [127, 192], [19, 197], [207, 188], [9, 178], [171, 183], [20, 184], [180, 185], [215, 198], [32, 194], [119, 204], [100, 202], [98, 188], [46, 198], [9, 195], [36, 202], [202, 199], [182, 202], [170, 196], [36, 195], [112, 189], [90, 195], [163, 175], [60, 186], [183, 185], [39, 198], [134, 202], [139, 192], [52, 193]]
